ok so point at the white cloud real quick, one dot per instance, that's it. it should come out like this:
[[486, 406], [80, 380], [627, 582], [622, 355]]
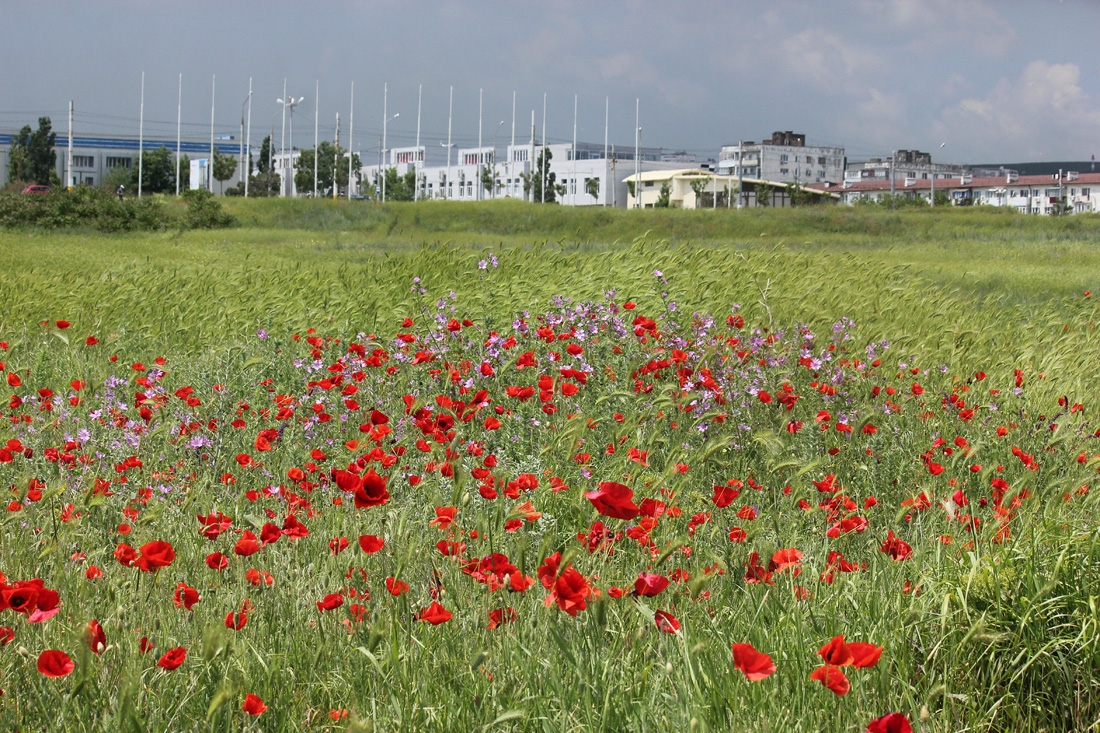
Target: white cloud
[[1042, 113]]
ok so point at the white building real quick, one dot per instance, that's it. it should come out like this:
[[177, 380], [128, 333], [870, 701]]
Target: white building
[[1026, 194], [588, 178], [95, 155], [784, 157]]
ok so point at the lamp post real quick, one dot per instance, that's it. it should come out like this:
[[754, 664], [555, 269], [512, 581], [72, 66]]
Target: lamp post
[[893, 202], [447, 182], [493, 190], [289, 103], [385, 121], [934, 177]]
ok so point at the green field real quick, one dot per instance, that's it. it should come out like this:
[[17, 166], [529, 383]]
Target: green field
[[941, 366]]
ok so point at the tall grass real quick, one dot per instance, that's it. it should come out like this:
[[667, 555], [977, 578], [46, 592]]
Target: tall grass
[[978, 634]]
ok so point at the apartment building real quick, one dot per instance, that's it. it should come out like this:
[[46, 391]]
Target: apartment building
[[784, 157]]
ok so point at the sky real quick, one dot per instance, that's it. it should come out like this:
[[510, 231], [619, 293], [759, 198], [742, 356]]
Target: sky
[[972, 81]]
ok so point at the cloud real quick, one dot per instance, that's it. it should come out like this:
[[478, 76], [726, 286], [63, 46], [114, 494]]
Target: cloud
[[1042, 111], [936, 24]]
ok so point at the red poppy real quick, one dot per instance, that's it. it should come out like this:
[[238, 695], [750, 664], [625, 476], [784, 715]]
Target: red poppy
[[156, 555], [247, 545], [93, 572], [613, 500], [259, 577], [784, 559], [836, 653], [7, 633], [371, 491], [890, 723], [145, 645], [55, 663], [755, 665], [396, 587], [94, 636], [724, 495], [329, 602], [833, 678], [173, 658], [236, 621], [126, 555], [570, 590], [666, 622], [650, 584], [434, 614], [253, 705], [895, 547], [186, 597], [864, 655], [501, 616], [370, 544], [217, 561]]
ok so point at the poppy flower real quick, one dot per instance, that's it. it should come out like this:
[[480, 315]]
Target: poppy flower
[[247, 545], [836, 653], [864, 655], [890, 723], [434, 614], [370, 544], [236, 620], [55, 663], [666, 622], [173, 658], [755, 665], [501, 616], [93, 572], [94, 636], [895, 547], [833, 678], [396, 587], [7, 633], [371, 491], [156, 555], [613, 500], [126, 555], [217, 561], [186, 597], [570, 591], [329, 602], [253, 705], [650, 584]]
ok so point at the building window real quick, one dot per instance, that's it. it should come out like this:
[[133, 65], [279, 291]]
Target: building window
[[1084, 192], [83, 161], [783, 158], [649, 184], [784, 171], [112, 162]]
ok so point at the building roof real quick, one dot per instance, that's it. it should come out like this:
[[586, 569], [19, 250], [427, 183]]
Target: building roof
[[982, 182], [667, 175]]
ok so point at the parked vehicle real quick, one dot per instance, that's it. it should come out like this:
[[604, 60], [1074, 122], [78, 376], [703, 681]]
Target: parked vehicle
[[36, 189]]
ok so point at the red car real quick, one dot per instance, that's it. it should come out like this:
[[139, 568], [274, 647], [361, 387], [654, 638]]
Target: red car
[[36, 189]]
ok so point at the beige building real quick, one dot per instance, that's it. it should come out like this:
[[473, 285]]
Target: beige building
[[693, 188]]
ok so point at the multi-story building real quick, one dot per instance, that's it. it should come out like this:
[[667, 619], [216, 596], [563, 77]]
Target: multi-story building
[[1047, 194], [906, 164], [95, 155], [784, 157]]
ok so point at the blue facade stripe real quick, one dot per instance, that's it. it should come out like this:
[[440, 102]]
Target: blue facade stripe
[[112, 143]]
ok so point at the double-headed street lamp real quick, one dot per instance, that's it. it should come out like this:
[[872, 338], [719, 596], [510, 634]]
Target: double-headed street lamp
[[290, 103]]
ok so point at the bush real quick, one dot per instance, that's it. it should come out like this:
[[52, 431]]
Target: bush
[[205, 212], [82, 207]]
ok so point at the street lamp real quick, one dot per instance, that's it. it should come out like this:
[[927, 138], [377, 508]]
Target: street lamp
[[385, 120], [447, 190], [290, 104], [493, 190], [934, 177]]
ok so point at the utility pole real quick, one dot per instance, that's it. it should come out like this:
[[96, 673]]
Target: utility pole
[[351, 132], [141, 133], [179, 112], [316, 129], [248, 139], [210, 168], [335, 157], [450, 115], [69, 165], [542, 181]]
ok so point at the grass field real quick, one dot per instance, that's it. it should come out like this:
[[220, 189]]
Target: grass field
[[510, 467]]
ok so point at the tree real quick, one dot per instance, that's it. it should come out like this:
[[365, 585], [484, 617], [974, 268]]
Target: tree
[[699, 186], [592, 187], [158, 171], [487, 178], [663, 196], [263, 185], [398, 187], [264, 163], [332, 164], [224, 168], [32, 156], [541, 179]]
